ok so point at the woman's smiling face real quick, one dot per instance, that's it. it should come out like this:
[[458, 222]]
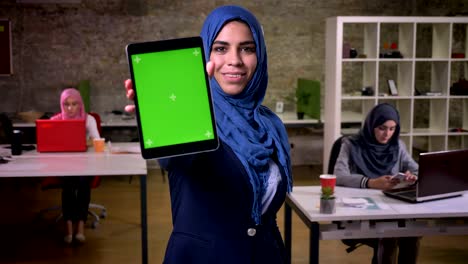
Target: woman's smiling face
[[234, 57]]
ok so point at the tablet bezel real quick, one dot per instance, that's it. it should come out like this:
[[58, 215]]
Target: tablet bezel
[[175, 149]]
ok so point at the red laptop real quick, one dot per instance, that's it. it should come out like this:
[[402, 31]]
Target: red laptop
[[60, 135]]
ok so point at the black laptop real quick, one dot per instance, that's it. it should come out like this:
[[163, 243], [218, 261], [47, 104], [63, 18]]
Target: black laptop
[[442, 175]]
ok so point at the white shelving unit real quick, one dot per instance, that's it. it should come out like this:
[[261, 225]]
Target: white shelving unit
[[423, 77]]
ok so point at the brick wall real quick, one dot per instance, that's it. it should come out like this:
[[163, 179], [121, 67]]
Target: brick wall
[[57, 45]]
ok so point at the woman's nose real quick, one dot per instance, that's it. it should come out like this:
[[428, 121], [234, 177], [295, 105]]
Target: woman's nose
[[234, 58], [387, 132]]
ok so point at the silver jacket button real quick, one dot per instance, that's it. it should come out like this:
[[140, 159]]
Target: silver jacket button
[[251, 232]]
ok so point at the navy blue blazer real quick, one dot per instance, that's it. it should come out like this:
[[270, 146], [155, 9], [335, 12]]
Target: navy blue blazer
[[211, 199]]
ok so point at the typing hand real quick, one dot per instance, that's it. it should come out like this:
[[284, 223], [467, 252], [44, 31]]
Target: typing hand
[[399, 177], [382, 183], [410, 177]]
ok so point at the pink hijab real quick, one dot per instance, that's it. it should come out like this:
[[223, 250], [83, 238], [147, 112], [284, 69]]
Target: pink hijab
[[75, 94]]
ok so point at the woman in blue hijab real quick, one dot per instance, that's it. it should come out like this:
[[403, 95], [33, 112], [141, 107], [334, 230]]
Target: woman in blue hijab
[[369, 160], [224, 202]]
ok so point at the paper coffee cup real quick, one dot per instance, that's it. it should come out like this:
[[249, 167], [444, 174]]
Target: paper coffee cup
[[99, 144], [328, 180]]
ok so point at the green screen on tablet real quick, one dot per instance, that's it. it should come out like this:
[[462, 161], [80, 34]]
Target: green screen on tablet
[[172, 97]]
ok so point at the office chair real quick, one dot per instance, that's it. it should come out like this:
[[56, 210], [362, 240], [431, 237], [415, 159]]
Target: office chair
[[351, 243], [335, 151], [56, 182]]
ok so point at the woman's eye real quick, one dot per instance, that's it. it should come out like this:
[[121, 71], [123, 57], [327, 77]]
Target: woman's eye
[[249, 49], [219, 49], [384, 128], [72, 105]]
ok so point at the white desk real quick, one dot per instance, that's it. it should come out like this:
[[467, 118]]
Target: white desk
[[124, 121], [33, 164], [402, 219], [289, 119], [106, 121], [109, 120]]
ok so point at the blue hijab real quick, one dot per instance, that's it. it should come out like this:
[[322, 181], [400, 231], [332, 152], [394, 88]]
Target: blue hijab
[[253, 131], [372, 158]]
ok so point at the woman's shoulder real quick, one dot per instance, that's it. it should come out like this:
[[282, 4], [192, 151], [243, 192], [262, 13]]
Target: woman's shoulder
[[346, 143], [345, 139], [349, 139], [401, 145], [90, 119]]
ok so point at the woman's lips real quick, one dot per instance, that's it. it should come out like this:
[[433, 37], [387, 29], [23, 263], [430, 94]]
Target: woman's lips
[[234, 76]]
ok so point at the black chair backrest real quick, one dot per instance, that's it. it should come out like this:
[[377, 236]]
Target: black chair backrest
[[335, 151]]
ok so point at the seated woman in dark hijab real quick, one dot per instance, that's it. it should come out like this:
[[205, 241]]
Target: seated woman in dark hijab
[[368, 160]]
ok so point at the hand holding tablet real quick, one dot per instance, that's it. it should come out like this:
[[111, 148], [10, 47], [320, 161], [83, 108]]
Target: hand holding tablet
[[173, 102]]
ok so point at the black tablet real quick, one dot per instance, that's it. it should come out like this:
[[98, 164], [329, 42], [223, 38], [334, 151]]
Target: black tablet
[[174, 108]]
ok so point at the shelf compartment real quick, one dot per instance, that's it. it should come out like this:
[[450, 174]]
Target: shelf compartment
[[458, 141], [429, 143], [431, 77], [460, 40], [432, 40], [430, 115], [458, 114], [355, 111], [400, 72], [458, 71], [402, 34], [362, 37], [358, 75], [423, 144]]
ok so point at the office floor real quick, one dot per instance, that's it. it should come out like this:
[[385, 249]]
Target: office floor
[[27, 239]]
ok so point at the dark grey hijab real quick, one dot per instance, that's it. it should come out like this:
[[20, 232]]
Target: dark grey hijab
[[372, 158]]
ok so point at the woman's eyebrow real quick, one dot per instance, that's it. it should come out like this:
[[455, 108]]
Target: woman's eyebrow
[[250, 42], [220, 42]]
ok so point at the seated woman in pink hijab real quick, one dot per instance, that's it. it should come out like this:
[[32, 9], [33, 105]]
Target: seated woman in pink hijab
[[76, 191]]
